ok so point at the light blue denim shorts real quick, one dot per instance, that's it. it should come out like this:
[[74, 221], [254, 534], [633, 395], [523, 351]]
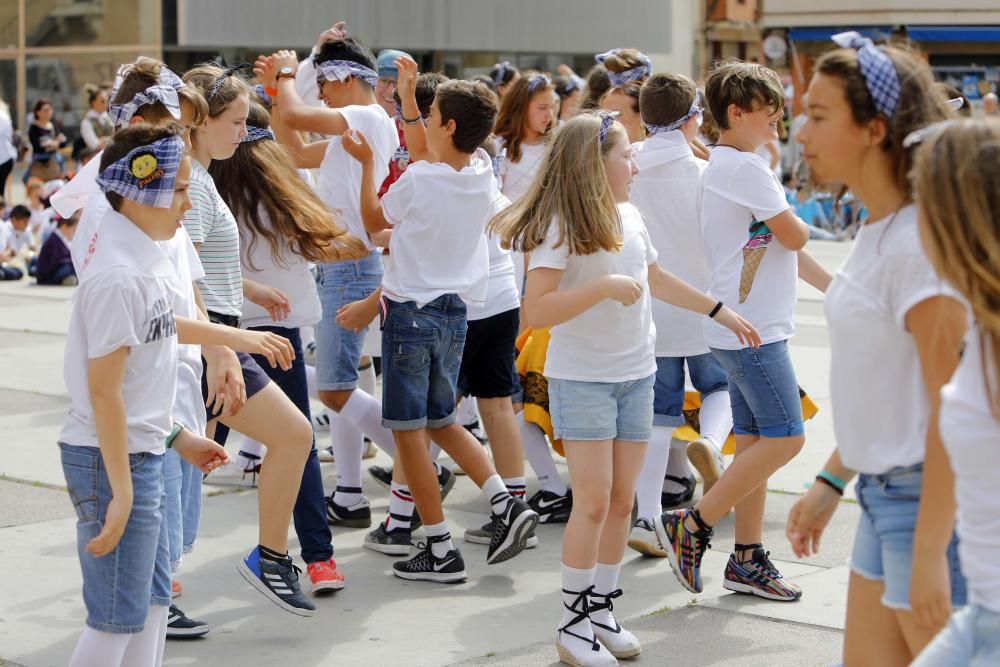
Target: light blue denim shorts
[[602, 410], [763, 391], [971, 638]]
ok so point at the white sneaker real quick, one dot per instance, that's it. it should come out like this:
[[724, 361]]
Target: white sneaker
[[321, 421], [326, 455], [708, 461], [241, 471], [620, 642], [643, 539]]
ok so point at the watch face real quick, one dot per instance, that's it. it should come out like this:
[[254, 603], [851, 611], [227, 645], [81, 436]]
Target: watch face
[[286, 71]]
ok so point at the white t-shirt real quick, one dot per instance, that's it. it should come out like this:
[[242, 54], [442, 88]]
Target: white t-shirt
[[71, 197], [502, 293], [752, 272], [338, 182], [438, 243], [7, 150], [971, 435], [666, 191], [18, 239], [880, 407], [609, 342], [41, 223], [515, 180], [292, 277], [125, 303]]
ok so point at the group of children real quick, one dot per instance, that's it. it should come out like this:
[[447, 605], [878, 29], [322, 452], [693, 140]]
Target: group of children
[[220, 220], [34, 241]]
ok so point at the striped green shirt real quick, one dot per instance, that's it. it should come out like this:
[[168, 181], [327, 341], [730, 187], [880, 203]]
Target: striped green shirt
[[211, 224]]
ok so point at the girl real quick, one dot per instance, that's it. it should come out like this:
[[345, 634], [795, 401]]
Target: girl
[[269, 416], [624, 100], [284, 226], [504, 76], [96, 127], [957, 184], [888, 311], [46, 140], [569, 89], [589, 249]]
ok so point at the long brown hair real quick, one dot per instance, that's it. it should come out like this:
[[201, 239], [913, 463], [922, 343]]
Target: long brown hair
[[260, 183], [512, 120], [956, 180], [570, 190]]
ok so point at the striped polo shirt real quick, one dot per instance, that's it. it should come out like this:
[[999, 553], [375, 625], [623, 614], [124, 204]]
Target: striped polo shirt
[[211, 224]]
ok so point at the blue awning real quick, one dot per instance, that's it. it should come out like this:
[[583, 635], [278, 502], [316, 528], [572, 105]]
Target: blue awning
[[918, 33]]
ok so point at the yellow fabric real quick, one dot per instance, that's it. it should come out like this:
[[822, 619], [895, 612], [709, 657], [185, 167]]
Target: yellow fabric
[[532, 346]]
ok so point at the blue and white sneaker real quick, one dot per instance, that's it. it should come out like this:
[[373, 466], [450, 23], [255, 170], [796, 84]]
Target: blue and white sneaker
[[278, 581]]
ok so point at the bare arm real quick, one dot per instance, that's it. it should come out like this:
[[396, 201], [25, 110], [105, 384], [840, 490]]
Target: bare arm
[[545, 305], [297, 114], [415, 134], [775, 155], [813, 272], [789, 229]]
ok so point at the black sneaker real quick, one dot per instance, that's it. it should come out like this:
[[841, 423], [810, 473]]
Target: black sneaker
[[551, 507], [477, 432], [511, 529], [277, 580], [671, 501], [383, 475], [180, 626], [484, 535], [358, 515], [425, 567], [394, 542]]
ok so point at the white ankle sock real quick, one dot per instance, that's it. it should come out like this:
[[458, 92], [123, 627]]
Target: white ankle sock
[[654, 467], [146, 648], [348, 444], [605, 582], [365, 412], [311, 382], [439, 548], [539, 455], [516, 486], [496, 493], [716, 418], [400, 507], [467, 411], [575, 581], [99, 649], [366, 379], [677, 466]]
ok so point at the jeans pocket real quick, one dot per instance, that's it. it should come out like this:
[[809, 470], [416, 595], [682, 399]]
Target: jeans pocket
[[902, 487], [411, 348], [454, 359], [81, 472]]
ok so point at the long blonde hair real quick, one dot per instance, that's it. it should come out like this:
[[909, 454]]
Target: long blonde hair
[[956, 179], [570, 190]]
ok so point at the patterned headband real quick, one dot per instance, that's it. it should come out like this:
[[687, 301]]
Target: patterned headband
[[230, 71], [498, 160], [607, 120], [255, 133], [574, 82], [877, 69], [637, 73], [537, 81], [501, 72], [341, 70], [164, 92], [147, 174], [653, 130]]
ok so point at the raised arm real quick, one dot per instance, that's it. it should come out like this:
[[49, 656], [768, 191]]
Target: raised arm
[[306, 155], [298, 115], [414, 133]]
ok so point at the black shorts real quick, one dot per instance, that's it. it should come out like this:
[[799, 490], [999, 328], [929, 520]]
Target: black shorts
[[488, 369], [254, 377]]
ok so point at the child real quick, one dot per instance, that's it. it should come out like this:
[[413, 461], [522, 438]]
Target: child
[[426, 287], [895, 336], [569, 89], [7, 270], [345, 70], [624, 100], [525, 118], [598, 84], [589, 256], [624, 65], [20, 240], [666, 192], [741, 198], [957, 182], [504, 76], [55, 264]]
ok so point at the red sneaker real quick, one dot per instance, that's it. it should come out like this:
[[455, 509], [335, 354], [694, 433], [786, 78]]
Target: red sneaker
[[325, 576], [176, 589]]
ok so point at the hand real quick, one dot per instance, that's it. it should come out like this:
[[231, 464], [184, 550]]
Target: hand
[[623, 289], [113, 528], [565, 70], [744, 330], [285, 58], [930, 590], [808, 519], [356, 145], [202, 453], [406, 84], [358, 315], [266, 71], [276, 349], [227, 392], [270, 299], [334, 33]]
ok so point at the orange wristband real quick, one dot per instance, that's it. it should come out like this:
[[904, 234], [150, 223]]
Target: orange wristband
[[270, 92]]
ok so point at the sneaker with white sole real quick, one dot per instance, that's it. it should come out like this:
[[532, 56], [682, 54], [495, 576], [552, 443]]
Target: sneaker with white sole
[[395, 542], [511, 529], [708, 460], [484, 535], [241, 471], [179, 626], [383, 476], [551, 507], [644, 540], [278, 581], [425, 566], [326, 455], [358, 515], [321, 421], [620, 642], [758, 576]]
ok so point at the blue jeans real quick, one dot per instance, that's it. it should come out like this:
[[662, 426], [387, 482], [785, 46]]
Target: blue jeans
[[763, 390], [971, 639], [707, 377], [338, 350], [883, 543], [182, 486], [309, 513], [602, 410], [421, 356], [119, 587]]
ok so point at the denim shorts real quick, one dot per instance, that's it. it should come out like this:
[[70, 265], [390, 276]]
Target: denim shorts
[[971, 638], [338, 350], [119, 587], [883, 543], [707, 377], [602, 410], [421, 355], [763, 390]]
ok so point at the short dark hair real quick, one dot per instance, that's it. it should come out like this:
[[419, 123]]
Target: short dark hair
[[349, 48], [41, 102], [129, 138], [665, 98], [426, 87], [21, 212], [472, 106], [487, 81], [742, 84], [66, 222]]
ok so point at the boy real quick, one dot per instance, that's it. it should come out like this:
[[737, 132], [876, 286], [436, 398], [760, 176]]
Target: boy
[[55, 265], [20, 240], [7, 271], [438, 214], [752, 242]]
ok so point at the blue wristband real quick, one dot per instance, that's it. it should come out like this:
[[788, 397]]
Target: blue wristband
[[833, 479]]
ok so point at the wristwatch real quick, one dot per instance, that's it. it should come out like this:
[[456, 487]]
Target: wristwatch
[[285, 71]]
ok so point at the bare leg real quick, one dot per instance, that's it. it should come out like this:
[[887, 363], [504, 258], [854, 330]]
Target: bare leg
[[591, 466], [872, 635], [415, 461], [628, 458], [464, 450], [500, 424]]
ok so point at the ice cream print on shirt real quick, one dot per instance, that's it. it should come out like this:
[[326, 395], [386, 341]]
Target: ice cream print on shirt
[[161, 324], [753, 252]]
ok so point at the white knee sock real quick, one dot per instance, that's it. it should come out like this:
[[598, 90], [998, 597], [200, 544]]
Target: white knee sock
[[654, 467], [539, 455], [605, 582], [366, 380], [496, 493], [716, 417], [347, 443], [365, 412], [677, 466], [435, 453], [146, 648], [99, 649], [467, 411], [575, 581], [400, 507], [251, 446], [516, 486]]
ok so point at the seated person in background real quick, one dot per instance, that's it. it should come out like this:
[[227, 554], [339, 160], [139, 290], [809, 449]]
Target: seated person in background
[[55, 264], [7, 272], [19, 238]]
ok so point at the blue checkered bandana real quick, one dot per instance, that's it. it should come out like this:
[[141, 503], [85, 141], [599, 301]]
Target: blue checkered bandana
[[164, 92], [637, 73], [498, 161], [536, 81], [653, 130], [607, 120], [340, 70], [876, 68], [501, 72], [256, 134], [147, 174]]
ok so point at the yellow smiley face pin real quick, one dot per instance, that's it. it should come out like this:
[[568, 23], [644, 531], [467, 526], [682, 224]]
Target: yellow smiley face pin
[[143, 165]]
